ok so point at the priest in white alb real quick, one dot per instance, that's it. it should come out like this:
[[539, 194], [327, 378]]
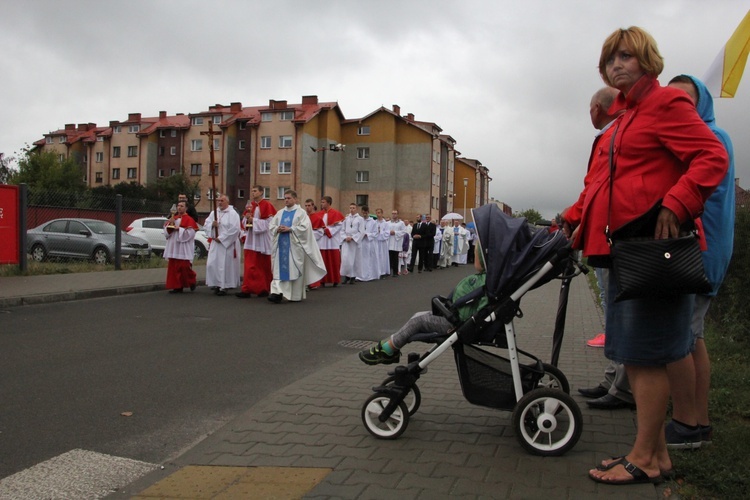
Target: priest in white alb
[[295, 257]]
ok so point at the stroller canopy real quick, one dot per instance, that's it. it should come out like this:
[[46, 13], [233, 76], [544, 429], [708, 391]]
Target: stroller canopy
[[513, 249]]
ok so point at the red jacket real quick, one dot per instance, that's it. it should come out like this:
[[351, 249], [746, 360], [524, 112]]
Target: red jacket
[[662, 150]]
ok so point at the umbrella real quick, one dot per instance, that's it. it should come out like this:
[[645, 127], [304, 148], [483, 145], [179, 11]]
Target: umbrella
[[452, 216]]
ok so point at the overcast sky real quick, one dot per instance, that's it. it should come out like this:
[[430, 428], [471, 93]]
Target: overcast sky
[[509, 80]]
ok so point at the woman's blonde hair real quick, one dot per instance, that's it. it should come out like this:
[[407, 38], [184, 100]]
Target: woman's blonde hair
[[641, 44]]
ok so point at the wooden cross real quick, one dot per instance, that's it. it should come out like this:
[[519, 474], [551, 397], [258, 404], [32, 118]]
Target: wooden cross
[[211, 135]]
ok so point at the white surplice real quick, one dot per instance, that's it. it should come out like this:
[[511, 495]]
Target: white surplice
[[223, 262]]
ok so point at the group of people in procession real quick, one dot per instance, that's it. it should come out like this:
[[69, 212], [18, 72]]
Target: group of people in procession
[[673, 155], [288, 252]]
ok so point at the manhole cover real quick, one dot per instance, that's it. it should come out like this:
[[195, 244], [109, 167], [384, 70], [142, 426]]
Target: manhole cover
[[357, 344]]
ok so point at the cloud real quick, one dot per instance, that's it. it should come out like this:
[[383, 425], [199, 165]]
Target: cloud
[[510, 81]]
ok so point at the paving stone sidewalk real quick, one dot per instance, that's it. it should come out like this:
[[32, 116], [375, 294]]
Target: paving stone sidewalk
[[450, 448]]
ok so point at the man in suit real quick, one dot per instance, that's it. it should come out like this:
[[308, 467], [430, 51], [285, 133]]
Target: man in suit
[[423, 238]]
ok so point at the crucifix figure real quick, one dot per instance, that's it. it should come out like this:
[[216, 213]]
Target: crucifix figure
[[211, 169]]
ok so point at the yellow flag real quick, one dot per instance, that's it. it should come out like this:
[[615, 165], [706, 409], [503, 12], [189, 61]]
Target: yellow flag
[[724, 75]]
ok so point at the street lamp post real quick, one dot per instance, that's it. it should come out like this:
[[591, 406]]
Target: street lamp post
[[332, 147], [466, 184]]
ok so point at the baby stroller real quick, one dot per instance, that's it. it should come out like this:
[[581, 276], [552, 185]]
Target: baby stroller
[[518, 258]]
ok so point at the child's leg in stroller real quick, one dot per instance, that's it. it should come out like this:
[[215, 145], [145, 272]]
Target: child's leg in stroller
[[421, 322], [389, 350]]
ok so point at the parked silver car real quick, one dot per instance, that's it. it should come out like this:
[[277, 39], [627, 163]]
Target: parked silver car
[[82, 239], [151, 230]]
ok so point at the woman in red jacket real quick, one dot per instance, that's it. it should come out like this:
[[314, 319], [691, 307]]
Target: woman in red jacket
[[662, 150]]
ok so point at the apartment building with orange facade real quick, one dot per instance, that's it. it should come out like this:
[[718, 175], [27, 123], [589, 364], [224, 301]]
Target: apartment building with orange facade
[[387, 160]]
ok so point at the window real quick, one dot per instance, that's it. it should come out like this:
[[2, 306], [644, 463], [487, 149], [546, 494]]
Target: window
[[210, 194], [115, 173], [174, 132], [132, 151], [131, 173], [196, 145], [195, 169], [285, 141], [196, 120], [61, 139], [85, 158], [285, 167], [61, 157], [172, 172], [99, 157], [265, 167], [217, 119], [363, 153], [57, 226], [285, 116], [162, 133], [162, 150], [161, 172], [116, 129], [241, 170], [243, 125], [49, 139], [99, 138], [266, 117], [134, 129], [75, 227], [265, 142], [99, 177], [361, 199], [217, 144], [173, 150], [363, 176], [215, 169], [116, 152], [280, 192], [266, 192], [240, 193], [363, 130], [241, 143]]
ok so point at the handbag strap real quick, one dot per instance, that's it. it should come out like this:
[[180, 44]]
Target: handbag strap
[[607, 232]]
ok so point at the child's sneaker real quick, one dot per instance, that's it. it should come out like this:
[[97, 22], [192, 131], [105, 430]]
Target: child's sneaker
[[707, 435], [376, 355], [681, 438]]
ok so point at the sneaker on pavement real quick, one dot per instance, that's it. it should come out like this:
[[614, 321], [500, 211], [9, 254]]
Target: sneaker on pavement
[[681, 438], [597, 341], [376, 355]]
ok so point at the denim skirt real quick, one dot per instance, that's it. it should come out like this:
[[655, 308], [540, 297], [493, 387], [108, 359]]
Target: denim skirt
[[647, 332]]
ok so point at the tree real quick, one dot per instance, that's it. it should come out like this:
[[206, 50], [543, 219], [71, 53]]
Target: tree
[[167, 188], [5, 170], [45, 171], [531, 214]]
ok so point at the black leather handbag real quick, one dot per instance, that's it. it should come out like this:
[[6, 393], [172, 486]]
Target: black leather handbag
[[645, 267]]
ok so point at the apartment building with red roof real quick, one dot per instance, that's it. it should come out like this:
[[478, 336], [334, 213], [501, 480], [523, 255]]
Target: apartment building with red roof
[[389, 160]]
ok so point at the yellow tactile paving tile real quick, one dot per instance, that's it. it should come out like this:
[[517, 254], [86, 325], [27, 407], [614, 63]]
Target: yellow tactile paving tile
[[217, 482]]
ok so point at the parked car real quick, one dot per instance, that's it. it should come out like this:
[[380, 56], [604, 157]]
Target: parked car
[[150, 229], [82, 239]]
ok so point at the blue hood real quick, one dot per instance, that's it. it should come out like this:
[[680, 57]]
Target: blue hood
[[718, 212]]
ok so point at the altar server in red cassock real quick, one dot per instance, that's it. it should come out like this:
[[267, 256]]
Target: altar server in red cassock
[[180, 233], [257, 273], [329, 240]]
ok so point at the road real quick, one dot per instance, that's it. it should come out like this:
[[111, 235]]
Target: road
[[180, 366]]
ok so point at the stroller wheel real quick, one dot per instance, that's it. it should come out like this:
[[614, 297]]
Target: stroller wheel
[[554, 378], [547, 422], [412, 400], [393, 427]]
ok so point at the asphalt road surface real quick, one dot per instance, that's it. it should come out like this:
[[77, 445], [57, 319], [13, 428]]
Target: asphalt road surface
[[146, 376]]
